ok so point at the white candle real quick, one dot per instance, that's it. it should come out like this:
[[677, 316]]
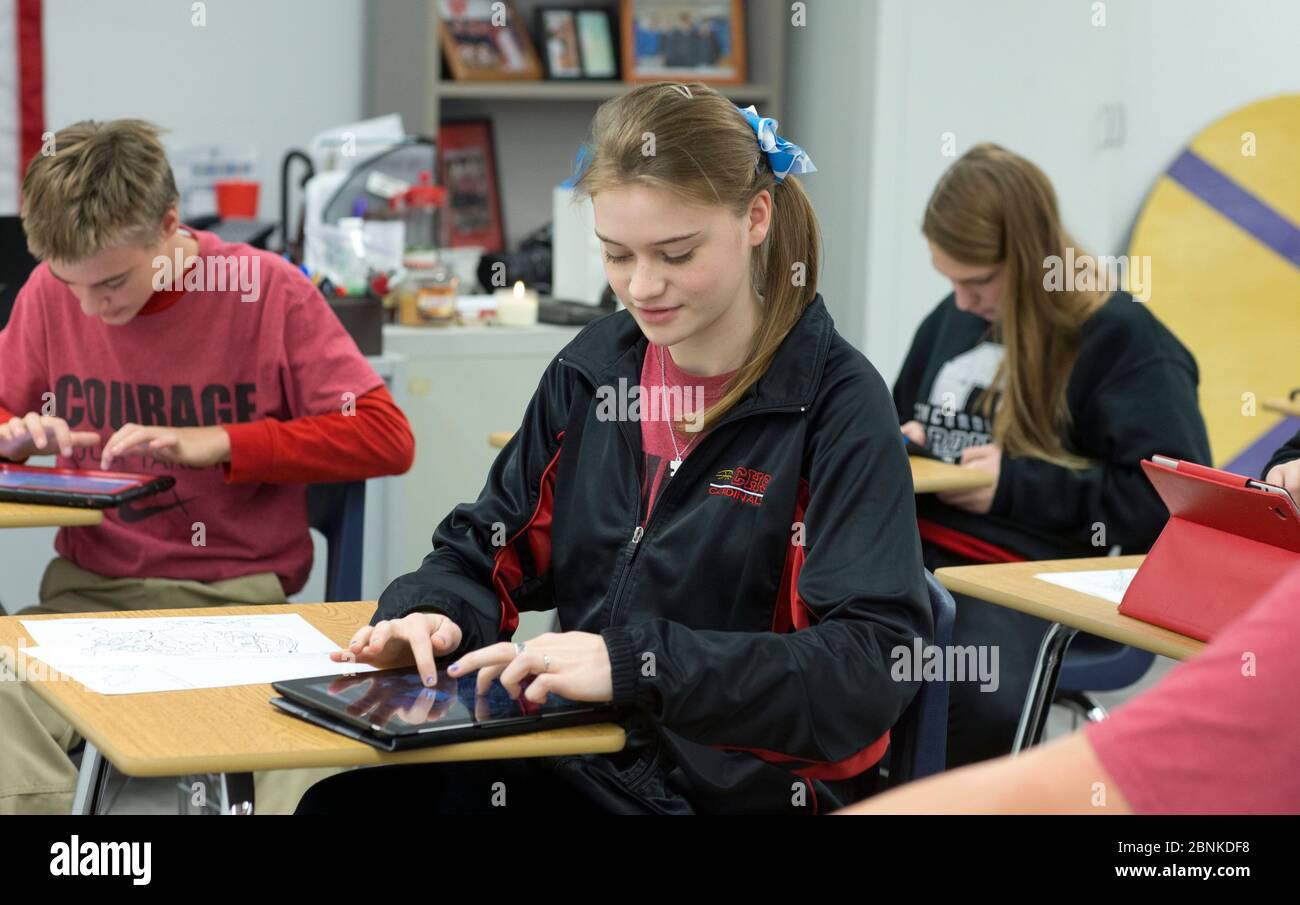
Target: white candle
[[516, 307]]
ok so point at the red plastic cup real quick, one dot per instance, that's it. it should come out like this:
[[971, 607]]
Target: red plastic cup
[[237, 199]]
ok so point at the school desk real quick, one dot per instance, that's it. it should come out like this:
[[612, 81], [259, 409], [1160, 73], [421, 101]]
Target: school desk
[[26, 515], [234, 731], [1282, 406], [934, 476], [1013, 585]]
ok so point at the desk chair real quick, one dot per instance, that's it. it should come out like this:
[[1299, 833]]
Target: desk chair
[[16, 264], [338, 511], [918, 745], [1096, 664]]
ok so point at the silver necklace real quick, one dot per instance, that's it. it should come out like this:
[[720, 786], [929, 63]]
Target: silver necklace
[[676, 463]]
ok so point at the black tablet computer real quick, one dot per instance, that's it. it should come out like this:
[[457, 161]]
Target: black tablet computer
[[75, 487], [393, 710]]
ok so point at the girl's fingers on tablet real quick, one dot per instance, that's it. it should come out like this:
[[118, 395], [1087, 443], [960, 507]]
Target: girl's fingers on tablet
[[446, 635], [484, 679], [538, 689], [84, 438], [521, 667], [360, 638], [416, 634], [379, 637], [502, 652]]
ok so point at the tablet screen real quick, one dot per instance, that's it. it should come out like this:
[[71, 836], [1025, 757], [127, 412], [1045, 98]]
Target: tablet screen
[[397, 701], [63, 482]]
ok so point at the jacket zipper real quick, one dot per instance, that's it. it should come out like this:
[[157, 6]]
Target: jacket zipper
[[638, 532]]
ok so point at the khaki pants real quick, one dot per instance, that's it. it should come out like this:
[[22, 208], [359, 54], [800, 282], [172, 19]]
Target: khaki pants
[[36, 775]]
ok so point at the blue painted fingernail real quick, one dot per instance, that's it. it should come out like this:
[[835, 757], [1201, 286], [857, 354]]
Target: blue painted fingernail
[[453, 668], [428, 680]]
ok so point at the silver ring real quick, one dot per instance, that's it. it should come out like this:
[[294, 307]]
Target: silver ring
[[519, 648], [546, 662]]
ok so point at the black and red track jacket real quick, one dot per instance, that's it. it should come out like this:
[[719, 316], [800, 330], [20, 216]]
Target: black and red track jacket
[[750, 662]]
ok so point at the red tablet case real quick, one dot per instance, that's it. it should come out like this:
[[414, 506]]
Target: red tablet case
[[1224, 546]]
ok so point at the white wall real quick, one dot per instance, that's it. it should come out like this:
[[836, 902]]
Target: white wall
[[1023, 73], [270, 74], [1190, 62], [829, 100], [1032, 75]]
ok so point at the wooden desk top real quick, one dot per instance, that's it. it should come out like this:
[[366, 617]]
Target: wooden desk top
[[933, 476], [25, 515], [1283, 406], [235, 730], [1013, 585]]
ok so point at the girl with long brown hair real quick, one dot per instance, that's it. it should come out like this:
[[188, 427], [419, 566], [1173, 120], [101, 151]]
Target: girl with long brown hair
[[735, 571], [1057, 386]]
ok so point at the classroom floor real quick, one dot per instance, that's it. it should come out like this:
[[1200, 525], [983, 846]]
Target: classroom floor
[[159, 796]]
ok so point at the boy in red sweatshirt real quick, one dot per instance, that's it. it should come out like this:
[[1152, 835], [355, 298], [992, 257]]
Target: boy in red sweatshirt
[[141, 345]]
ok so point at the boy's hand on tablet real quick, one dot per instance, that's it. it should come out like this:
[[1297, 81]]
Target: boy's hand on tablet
[[417, 638], [980, 499], [1286, 475], [41, 435], [574, 665], [198, 447], [914, 431]]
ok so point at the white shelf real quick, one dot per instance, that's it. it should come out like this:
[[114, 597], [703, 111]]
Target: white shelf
[[569, 91]]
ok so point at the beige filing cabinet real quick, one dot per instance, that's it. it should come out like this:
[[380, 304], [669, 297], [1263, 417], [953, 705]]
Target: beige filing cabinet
[[458, 385]]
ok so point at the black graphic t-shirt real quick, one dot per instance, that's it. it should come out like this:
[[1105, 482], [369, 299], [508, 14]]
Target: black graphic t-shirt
[[1131, 395], [952, 410]]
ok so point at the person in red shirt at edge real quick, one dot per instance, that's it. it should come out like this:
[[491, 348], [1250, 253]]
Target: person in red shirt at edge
[[234, 378], [1218, 735]]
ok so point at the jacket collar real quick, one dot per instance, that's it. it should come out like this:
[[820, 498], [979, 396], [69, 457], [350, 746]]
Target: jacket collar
[[613, 347]]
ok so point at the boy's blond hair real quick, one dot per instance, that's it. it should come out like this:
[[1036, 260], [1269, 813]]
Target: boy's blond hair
[[105, 184]]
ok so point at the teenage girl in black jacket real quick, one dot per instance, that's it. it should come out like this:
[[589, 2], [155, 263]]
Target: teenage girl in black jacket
[[745, 590]]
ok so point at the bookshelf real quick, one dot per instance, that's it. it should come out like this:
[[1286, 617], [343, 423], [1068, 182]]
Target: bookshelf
[[537, 125]]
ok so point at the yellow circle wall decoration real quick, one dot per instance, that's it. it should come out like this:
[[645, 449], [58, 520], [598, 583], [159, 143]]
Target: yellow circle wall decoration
[[1221, 232]]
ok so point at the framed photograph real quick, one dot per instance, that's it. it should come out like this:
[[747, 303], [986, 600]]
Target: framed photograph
[[557, 30], [467, 167], [676, 40], [596, 40], [485, 39], [577, 43]]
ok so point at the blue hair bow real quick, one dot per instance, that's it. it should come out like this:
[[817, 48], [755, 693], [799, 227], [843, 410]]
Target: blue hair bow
[[783, 155]]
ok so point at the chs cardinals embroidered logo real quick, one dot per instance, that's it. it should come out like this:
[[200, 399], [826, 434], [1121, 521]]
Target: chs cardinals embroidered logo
[[745, 484]]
